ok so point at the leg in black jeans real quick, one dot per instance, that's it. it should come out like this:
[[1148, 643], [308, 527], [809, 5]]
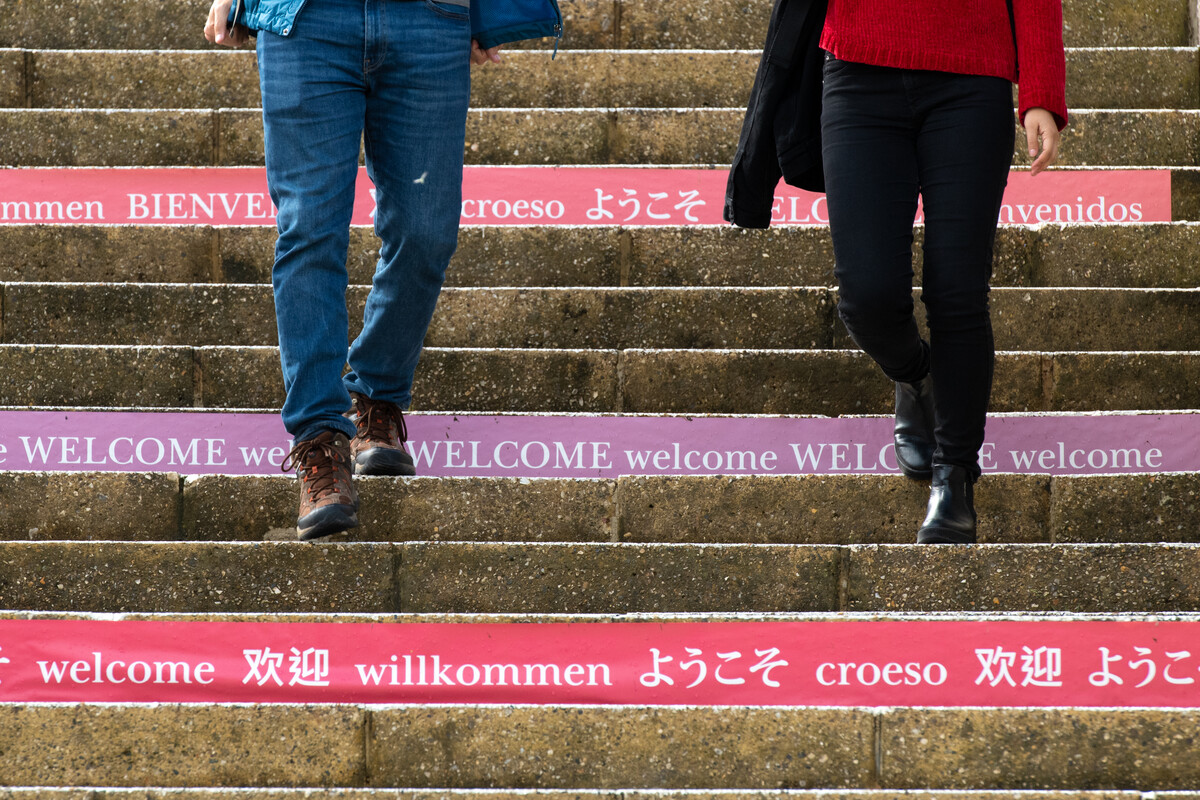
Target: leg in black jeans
[[889, 135]]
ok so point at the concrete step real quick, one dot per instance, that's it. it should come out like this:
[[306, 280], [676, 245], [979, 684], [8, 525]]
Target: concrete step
[[578, 578], [763, 509], [1096, 78], [1159, 255], [588, 24], [233, 137], [587, 318], [747, 749], [829, 382]]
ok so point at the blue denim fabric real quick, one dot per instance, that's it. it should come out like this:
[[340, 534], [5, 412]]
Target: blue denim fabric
[[396, 75]]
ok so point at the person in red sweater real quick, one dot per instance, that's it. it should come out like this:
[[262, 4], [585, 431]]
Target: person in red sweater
[[917, 100]]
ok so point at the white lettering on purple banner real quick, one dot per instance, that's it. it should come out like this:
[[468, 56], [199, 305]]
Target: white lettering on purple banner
[[556, 445]]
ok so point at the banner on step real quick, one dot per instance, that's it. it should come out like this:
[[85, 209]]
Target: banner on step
[[585, 446], [554, 196], [773, 663]]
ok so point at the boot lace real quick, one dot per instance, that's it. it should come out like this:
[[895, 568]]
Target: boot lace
[[319, 464], [375, 421]]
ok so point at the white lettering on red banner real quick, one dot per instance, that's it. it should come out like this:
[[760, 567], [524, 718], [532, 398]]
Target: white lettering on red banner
[[549, 446], [835, 662], [498, 195]]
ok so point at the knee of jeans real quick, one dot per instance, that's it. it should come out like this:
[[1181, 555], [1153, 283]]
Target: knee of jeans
[[874, 306], [961, 311]]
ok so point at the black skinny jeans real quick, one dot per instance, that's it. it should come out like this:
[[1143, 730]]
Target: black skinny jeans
[[887, 136]]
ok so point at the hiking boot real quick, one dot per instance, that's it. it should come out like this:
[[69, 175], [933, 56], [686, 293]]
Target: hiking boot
[[378, 447], [328, 502]]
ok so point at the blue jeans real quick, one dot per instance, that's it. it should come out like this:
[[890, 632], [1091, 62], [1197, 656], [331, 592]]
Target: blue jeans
[[396, 76], [888, 135]]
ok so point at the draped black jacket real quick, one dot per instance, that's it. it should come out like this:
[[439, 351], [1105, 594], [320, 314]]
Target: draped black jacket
[[781, 135]]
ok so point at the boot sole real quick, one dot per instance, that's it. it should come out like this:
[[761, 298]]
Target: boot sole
[[916, 473], [326, 522], [388, 462], [944, 536]]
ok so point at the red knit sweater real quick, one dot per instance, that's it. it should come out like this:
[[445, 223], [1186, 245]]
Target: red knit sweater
[[971, 37]]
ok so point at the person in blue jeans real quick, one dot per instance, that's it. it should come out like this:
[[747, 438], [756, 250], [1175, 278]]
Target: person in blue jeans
[[395, 76]]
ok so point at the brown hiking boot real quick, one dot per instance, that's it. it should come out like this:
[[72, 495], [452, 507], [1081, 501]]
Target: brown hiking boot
[[328, 502], [378, 447]]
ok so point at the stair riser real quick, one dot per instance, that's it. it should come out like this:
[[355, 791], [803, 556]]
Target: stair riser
[[540, 748], [716, 24], [580, 79], [501, 136]]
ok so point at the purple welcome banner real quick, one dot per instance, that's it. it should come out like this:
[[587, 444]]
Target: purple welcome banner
[[587, 446]]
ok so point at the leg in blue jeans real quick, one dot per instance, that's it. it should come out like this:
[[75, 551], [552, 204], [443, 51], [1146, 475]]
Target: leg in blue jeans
[[889, 135], [398, 72]]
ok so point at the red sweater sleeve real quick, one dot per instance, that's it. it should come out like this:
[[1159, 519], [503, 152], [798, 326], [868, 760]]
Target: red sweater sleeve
[[1041, 64]]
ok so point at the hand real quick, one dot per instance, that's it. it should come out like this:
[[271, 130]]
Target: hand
[[216, 29], [1041, 131], [481, 56]]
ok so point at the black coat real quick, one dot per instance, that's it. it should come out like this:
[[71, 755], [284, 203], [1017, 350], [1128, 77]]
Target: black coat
[[781, 135]]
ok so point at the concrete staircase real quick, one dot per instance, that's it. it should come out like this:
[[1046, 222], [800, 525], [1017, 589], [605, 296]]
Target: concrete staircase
[[1099, 318]]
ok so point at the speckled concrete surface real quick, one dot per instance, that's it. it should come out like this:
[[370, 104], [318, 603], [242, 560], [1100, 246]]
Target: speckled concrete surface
[[1039, 749], [96, 376], [1126, 508], [1133, 78], [187, 576], [172, 745], [1139, 78], [1127, 138], [818, 509], [36, 137], [624, 318], [106, 253], [1124, 381], [547, 578], [173, 314], [701, 318], [1076, 578], [538, 136], [662, 747], [53, 138], [226, 508], [240, 141], [537, 257], [219, 78], [1150, 255], [1096, 319], [791, 382], [1156, 255], [46, 506], [12, 78], [516, 380]]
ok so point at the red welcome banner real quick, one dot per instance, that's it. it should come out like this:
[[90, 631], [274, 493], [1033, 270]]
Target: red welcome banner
[[920, 662], [545, 196], [559, 446]]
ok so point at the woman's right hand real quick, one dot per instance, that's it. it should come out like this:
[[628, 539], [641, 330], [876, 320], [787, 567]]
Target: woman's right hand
[[1041, 132], [217, 29]]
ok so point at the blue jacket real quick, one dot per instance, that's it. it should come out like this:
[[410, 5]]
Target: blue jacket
[[493, 22]]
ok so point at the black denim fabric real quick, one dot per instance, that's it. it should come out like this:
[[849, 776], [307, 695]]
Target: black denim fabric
[[889, 135]]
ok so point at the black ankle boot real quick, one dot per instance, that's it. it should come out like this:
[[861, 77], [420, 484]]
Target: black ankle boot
[[951, 515], [913, 433]]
